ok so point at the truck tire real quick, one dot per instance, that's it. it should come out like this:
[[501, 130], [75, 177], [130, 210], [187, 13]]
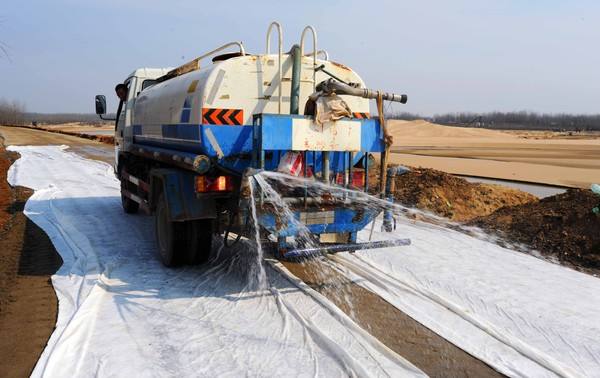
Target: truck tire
[[170, 236], [199, 234], [129, 205]]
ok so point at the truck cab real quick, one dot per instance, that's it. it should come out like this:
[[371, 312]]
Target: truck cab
[[136, 82]]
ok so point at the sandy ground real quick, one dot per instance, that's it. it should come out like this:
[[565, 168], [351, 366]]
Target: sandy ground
[[16, 136], [77, 127], [540, 157], [421, 346]]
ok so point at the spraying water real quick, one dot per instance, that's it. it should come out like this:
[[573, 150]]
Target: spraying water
[[258, 277], [268, 190]]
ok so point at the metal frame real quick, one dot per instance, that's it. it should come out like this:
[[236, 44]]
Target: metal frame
[[314, 53], [280, 54]]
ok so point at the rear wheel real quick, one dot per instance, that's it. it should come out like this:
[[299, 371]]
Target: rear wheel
[[129, 205], [199, 235], [170, 236]]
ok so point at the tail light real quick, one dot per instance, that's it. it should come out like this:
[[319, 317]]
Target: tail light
[[205, 184]]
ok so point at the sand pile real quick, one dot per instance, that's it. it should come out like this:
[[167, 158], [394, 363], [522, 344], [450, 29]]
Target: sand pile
[[562, 226], [453, 197]]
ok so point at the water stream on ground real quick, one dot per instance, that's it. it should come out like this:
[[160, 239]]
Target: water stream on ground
[[269, 190]]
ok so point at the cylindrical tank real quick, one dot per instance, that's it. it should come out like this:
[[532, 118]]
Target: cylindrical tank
[[230, 92]]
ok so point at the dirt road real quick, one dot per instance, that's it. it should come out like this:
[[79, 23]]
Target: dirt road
[[17, 136], [28, 304]]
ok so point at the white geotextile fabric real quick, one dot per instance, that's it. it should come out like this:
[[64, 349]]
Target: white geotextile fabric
[[121, 313], [522, 315]]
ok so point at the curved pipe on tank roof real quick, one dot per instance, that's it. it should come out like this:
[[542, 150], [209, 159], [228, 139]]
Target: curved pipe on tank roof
[[314, 53], [280, 54], [235, 43], [322, 52]]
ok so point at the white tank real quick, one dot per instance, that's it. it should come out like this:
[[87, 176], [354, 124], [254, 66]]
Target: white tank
[[233, 90]]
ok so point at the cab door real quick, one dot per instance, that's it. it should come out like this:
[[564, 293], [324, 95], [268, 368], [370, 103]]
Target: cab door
[[124, 119]]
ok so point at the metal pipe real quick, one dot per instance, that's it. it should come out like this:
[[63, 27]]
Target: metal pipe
[[345, 168], [350, 161], [390, 188], [190, 161], [322, 52], [280, 54], [322, 68], [295, 91], [325, 167], [366, 168], [297, 201], [334, 86], [315, 51], [334, 248], [305, 164]]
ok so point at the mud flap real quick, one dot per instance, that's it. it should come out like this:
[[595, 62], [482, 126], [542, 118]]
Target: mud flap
[[182, 202]]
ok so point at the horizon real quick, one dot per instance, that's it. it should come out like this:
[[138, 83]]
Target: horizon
[[466, 56]]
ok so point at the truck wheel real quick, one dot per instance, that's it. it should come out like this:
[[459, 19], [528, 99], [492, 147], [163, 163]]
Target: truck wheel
[[170, 236], [129, 205], [199, 245]]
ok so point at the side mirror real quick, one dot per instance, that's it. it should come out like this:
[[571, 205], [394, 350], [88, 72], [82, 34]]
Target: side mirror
[[100, 104]]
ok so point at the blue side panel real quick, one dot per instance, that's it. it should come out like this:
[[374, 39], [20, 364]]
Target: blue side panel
[[233, 140], [185, 116], [236, 142], [277, 131], [370, 136], [184, 132]]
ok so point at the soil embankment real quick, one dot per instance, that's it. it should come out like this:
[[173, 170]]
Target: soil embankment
[[28, 304], [453, 197], [562, 227]]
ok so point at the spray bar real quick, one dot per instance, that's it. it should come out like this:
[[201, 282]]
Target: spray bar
[[335, 248]]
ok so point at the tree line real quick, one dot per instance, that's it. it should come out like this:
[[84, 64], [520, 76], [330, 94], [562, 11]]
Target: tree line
[[12, 112], [15, 113], [512, 120]]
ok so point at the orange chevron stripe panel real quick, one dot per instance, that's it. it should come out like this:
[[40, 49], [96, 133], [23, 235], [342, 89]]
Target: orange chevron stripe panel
[[222, 116]]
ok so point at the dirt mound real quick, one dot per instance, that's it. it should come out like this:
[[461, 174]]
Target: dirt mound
[[562, 226], [453, 197]]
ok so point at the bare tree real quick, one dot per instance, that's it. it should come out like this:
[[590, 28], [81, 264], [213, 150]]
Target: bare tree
[[3, 46]]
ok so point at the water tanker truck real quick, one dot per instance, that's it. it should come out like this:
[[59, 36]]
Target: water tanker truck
[[189, 139]]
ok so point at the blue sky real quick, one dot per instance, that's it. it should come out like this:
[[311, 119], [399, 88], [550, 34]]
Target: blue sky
[[448, 56]]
